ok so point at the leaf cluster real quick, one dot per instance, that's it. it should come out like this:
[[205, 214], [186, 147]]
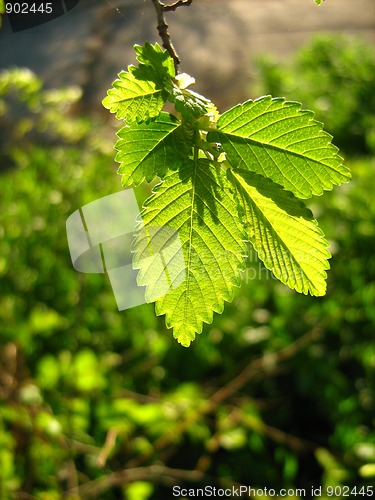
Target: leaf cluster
[[227, 181]]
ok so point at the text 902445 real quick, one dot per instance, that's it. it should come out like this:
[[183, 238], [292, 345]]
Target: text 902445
[[26, 15]]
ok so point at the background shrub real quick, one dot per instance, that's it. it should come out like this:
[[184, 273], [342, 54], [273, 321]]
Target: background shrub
[[335, 77]]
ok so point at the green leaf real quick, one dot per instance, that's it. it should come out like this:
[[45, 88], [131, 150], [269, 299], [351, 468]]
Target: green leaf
[[134, 99], [318, 2], [187, 102], [203, 269], [147, 150], [275, 138], [156, 59], [283, 231]]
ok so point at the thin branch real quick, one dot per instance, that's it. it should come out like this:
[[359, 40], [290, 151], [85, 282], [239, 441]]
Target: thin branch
[[174, 6], [266, 363], [108, 447], [153, 473], [169, 476], [162, 26], [295, 443], [157, 474]]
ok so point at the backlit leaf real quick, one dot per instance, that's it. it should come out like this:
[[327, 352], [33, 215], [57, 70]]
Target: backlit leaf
[[275, 138], [157, 60], [196, 203], [189, 103], [147, 150], [283, 231], [134, 99]]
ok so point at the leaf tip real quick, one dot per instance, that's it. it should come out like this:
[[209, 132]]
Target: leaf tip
[[184, 342], [184, 334]]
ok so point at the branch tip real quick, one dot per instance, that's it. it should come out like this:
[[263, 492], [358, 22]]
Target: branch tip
[[175, 5]]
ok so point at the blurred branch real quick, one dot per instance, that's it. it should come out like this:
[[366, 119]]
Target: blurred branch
[[266, 363], [237, 416], [160, 474], [108, 447], [162, 26], [165, 475], [155, 473], [140, 398], [8, 369], [293, 442], [212, 447]]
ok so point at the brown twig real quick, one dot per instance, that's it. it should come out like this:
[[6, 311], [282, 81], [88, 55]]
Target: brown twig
[[157, 474], [174, 6], [108, 447], [165, 475], [266, 363], [154, 473], [162, 26]]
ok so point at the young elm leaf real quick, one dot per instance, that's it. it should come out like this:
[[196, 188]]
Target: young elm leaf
[[196, 202], [147, 150], [275, 138], [283, 232], [134, 99]]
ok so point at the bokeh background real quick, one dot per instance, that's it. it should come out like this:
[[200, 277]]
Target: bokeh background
[[278, 392]]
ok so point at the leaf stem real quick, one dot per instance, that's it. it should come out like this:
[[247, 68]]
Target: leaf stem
[[210, 149]]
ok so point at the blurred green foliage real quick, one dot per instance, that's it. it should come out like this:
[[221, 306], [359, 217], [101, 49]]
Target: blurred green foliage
[[95, 403], [334, 77]]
